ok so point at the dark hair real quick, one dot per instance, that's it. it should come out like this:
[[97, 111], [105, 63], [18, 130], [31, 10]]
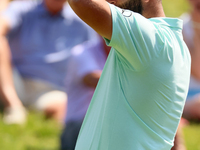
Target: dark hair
[[133, 5]]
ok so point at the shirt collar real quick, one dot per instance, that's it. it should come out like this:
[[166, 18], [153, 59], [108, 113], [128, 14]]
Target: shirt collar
[[170, 22]]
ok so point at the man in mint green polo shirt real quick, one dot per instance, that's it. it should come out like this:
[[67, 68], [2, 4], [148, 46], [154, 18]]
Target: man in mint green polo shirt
[[140, 96]]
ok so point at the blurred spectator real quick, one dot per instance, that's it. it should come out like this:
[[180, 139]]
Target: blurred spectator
[[84, 69], [40, 35], [191, 32]]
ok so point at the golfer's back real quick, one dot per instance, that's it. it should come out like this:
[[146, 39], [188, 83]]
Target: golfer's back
[[139, 100]]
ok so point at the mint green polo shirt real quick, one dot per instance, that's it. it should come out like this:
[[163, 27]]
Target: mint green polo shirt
[[140, 96]]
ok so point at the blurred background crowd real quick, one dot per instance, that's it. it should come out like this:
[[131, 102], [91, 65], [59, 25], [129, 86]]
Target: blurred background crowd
[[50, 64]]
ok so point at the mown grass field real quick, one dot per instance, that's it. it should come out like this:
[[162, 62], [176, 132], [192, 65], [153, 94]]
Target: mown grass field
[[37, 134], [42, 134], [191, 135], [174, 8]]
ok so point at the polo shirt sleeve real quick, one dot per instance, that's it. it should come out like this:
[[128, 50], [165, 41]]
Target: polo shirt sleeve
[[134, 38]]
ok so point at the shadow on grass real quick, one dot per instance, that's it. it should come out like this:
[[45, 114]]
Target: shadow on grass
[[195, 121], [1, 106]]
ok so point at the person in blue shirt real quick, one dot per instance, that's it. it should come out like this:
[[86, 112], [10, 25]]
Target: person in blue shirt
[[84, 70], [139, 99], [40, 35]]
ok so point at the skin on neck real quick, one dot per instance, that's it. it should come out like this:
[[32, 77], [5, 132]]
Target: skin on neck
[[152, 8], [54, 6]]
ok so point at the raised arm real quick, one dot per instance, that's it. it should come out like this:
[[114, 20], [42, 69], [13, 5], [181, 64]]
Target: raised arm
[[96, 13]]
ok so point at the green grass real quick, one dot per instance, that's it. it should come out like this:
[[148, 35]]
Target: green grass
[[41, 134], [174, 8], [37, 134], [191, 135]]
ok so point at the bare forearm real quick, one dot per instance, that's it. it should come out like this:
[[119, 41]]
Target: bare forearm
[[6, 81], [195, 55], [92, 78], [96, 13], [195, 66]]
